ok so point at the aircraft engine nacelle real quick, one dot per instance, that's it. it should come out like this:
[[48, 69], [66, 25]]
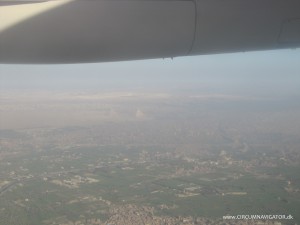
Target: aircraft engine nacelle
[[78, 31]]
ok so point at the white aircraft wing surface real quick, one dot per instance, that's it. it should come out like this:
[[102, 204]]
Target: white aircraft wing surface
[[79, 31]]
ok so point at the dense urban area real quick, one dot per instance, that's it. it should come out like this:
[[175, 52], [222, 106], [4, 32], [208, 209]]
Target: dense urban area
[[152, 158]]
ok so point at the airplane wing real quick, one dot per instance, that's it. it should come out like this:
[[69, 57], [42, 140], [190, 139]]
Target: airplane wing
[[79, 31]]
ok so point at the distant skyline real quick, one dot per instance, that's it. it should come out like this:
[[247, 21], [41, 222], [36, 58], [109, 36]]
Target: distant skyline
[[275, 71]]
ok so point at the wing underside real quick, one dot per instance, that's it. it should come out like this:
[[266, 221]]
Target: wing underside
[[76, 31]]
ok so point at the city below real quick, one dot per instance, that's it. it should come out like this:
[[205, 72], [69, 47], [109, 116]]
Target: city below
[[147, 158]]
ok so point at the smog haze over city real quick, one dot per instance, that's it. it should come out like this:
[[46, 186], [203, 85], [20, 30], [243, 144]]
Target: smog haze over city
[[187, 140]]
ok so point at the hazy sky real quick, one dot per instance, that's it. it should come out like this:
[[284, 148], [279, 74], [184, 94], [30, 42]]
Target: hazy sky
[[267, 70]]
